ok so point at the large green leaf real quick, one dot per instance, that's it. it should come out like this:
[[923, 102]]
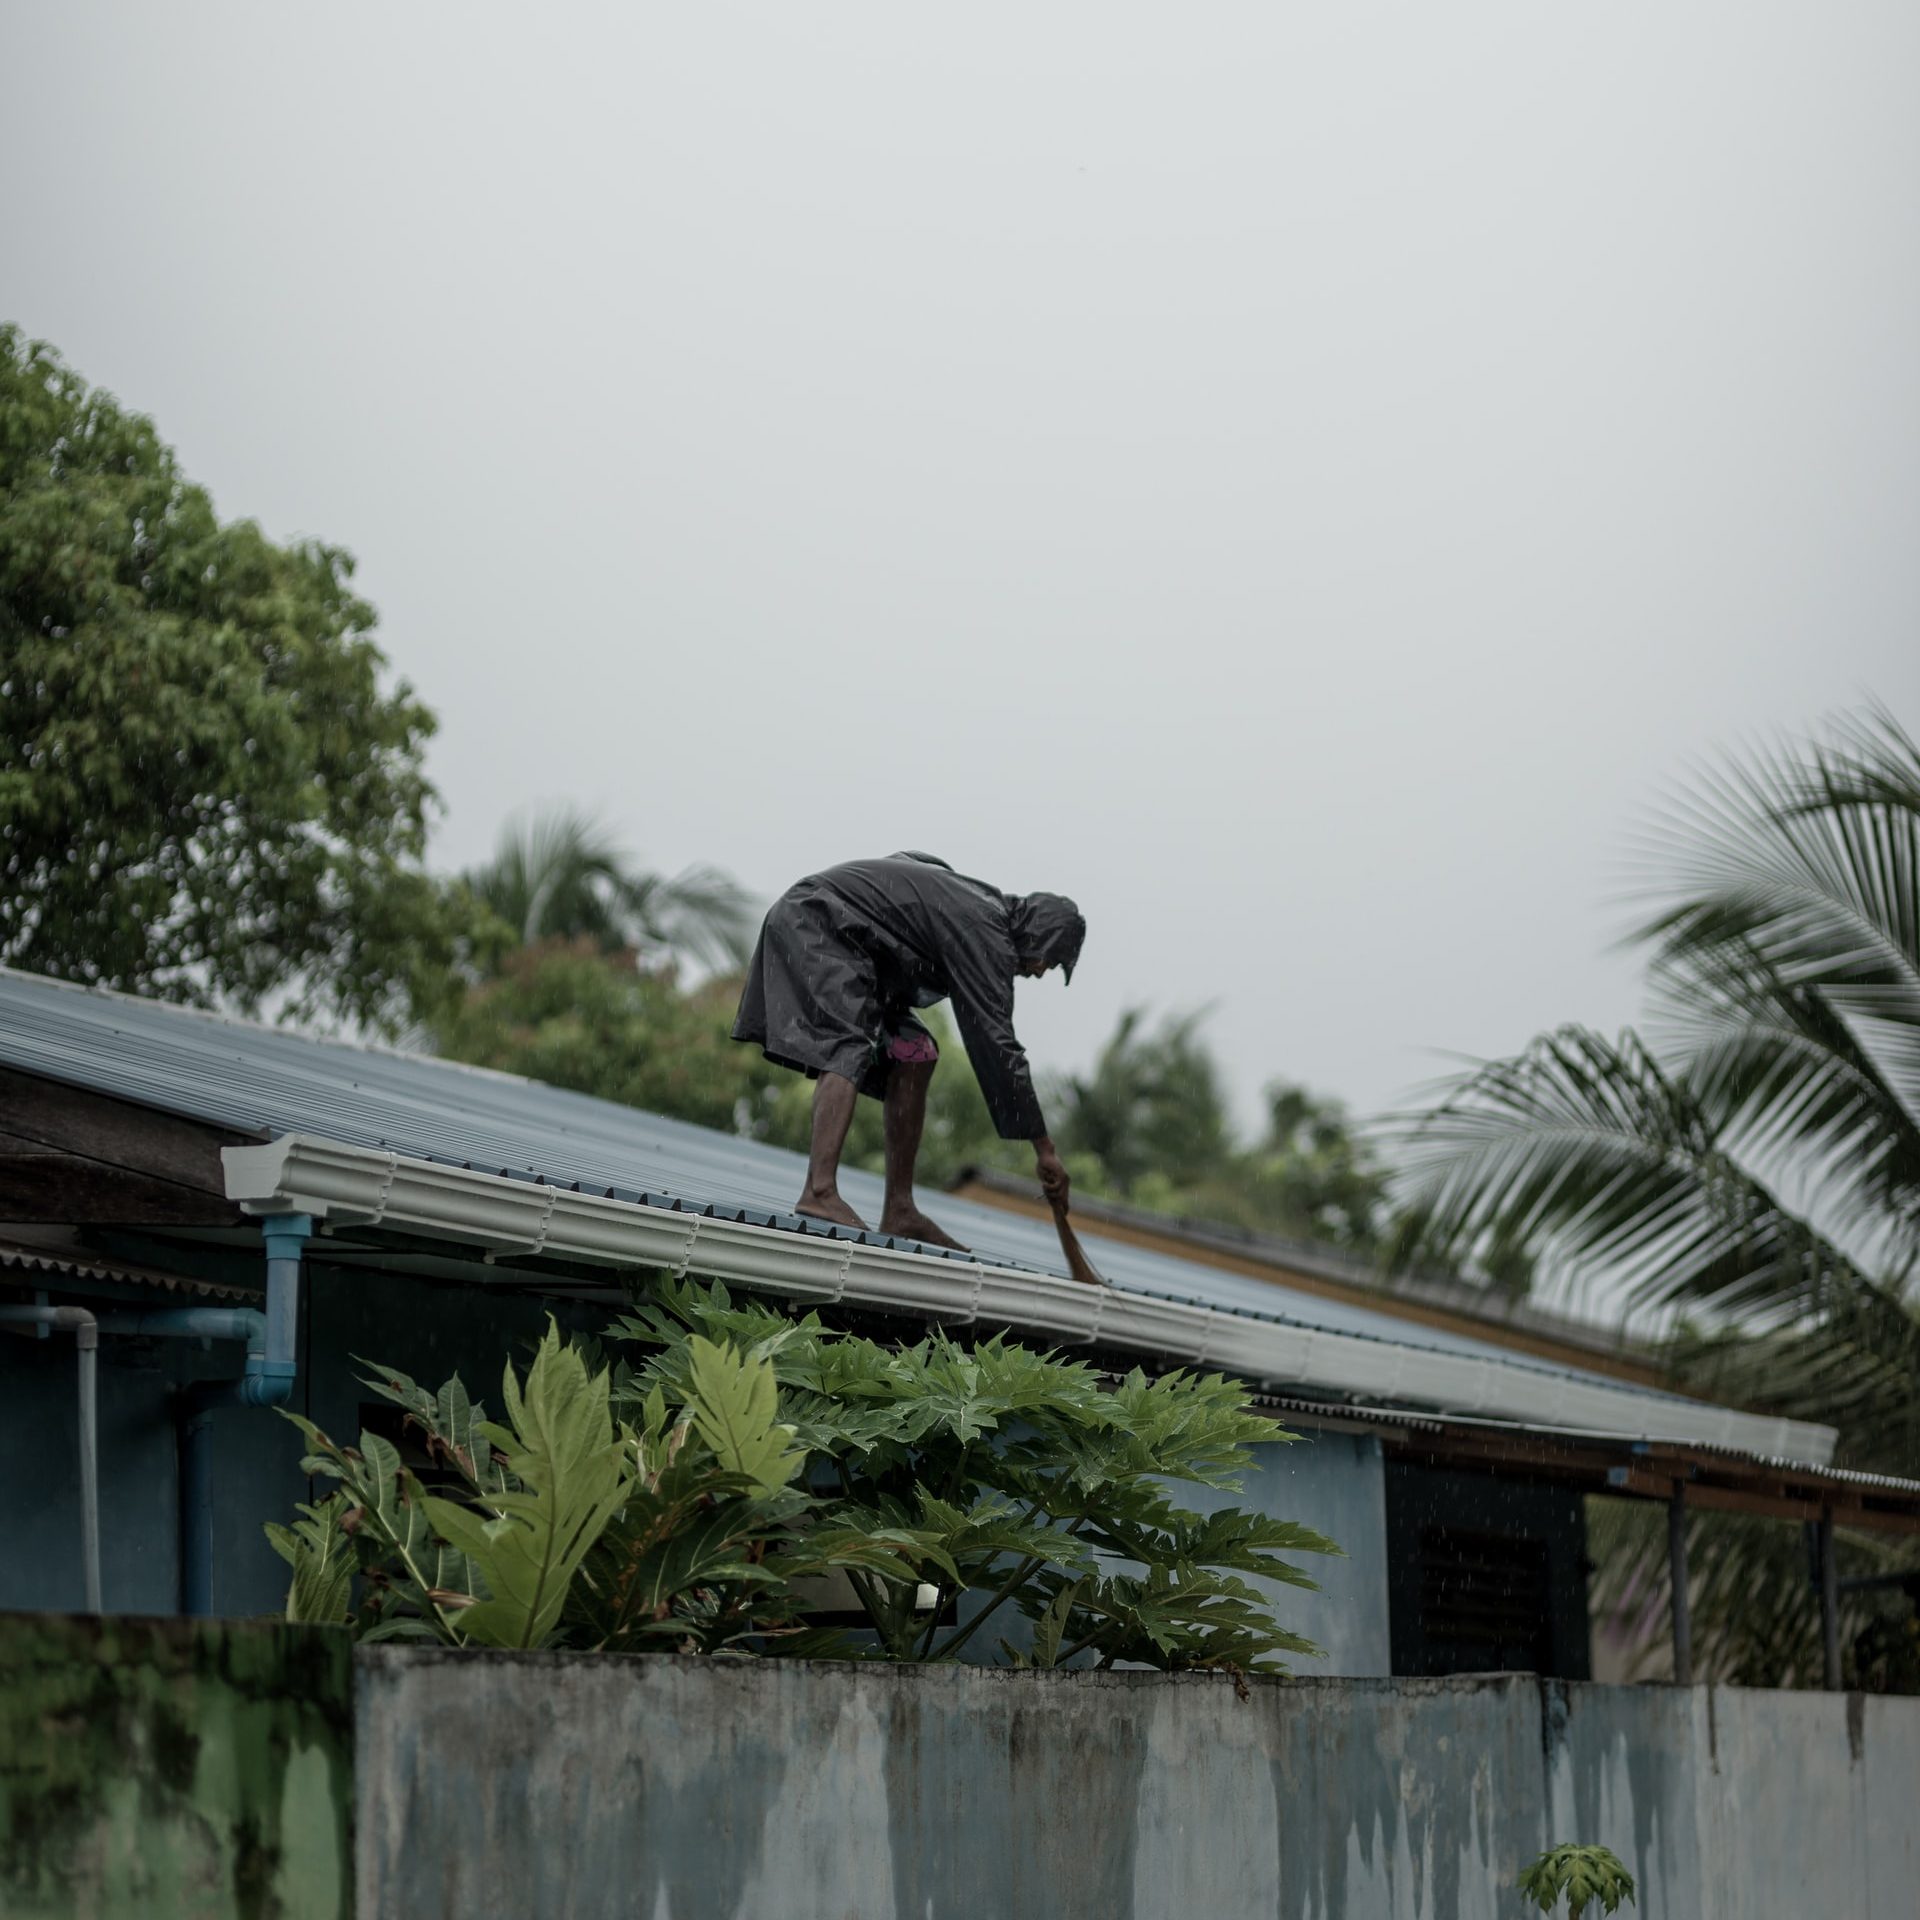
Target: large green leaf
[[574, 1474], [735, 1406], [381, 1508], [322, 1559]]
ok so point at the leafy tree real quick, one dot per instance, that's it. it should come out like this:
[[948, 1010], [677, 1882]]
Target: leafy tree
[[1755, 1162], [1150, 1125], [205, 793], [1152, 1106], [561, 875], [1312, 1175]]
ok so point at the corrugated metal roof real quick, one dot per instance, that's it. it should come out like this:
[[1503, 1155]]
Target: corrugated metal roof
[[270, 1081], [1312, 1259]]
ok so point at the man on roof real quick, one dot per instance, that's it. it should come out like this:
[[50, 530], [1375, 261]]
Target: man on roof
[[845, 957]]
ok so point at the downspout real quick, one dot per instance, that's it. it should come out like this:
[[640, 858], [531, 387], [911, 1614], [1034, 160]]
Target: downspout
[[86, 1339], [267, 1381]]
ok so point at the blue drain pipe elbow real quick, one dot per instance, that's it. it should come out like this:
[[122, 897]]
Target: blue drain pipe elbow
[[271, 1365]]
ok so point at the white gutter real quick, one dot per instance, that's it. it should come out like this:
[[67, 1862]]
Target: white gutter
[[361, 1187]]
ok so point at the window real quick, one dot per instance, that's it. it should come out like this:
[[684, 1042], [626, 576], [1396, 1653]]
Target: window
[[1485, 1601]]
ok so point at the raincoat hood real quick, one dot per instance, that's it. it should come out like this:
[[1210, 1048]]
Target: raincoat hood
[[1048, 930]]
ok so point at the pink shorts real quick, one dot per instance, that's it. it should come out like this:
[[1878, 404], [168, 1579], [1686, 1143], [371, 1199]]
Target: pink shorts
[[913, 1049]]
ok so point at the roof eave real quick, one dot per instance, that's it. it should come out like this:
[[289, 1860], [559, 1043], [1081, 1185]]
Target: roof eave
[[358, 1186]]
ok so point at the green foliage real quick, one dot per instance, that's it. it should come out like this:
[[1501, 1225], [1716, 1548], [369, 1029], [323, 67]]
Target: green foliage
[[321, 1556], [1153, 1104], [412, 1584], [1755, 1160], [1150, 1126], [561, 875], [204, 791], [492, 1567], [562, 1526], [1582, 1874], [699, 1501], [572, 1017], [1019, 1483], [1310, 1175], [567, 1474], [734, 1405]]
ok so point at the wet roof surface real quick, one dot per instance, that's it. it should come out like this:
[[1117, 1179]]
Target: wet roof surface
[[271, 1081]]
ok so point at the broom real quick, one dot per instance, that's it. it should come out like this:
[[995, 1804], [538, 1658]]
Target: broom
[[1078, 1264]]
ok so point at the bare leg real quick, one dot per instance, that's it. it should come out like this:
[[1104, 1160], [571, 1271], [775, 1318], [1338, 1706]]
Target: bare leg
[[906, 1115], [833, 1101]]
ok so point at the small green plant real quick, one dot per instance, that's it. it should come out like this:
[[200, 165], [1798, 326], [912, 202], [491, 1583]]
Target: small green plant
[[1582, 1874]]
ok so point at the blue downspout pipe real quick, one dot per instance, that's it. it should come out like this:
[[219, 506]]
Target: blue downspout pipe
[[267, 1381]]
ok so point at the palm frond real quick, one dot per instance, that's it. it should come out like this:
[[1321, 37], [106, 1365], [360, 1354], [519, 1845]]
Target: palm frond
[[701, 912], [1788, 1077], [1587, 1150], [561, 874], [552, 874], [1801, 870], [1855, 1367]]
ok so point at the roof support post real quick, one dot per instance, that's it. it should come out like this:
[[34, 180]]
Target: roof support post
[[1677, 1584], [1829, 1604]]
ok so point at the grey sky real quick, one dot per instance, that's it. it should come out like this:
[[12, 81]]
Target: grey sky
[[1296, 479]]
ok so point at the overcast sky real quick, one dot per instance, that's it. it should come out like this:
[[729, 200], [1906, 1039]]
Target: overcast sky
[[1297, 479]]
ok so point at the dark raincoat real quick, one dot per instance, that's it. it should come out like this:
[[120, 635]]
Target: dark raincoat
[[846, 955]]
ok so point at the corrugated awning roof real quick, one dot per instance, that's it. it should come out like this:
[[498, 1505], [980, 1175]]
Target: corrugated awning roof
[[29, 1260]]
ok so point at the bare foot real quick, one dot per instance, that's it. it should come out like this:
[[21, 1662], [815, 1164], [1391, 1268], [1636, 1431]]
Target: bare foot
[[909, 1223], [828, 1206]]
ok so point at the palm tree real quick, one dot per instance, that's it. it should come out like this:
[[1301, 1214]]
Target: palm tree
[[1153, 1104], [1752, 1166], [562, 875]]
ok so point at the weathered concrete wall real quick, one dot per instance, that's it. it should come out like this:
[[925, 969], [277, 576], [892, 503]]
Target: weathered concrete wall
[[1743, 1805], [707, 1790], [173, 1768]]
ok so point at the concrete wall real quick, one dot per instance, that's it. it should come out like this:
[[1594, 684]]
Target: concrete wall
[[172, 1767], [673, 1789]]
